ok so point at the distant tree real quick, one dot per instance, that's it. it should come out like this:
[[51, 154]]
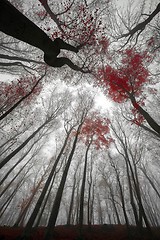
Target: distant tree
[[94, 133], [57, 201]]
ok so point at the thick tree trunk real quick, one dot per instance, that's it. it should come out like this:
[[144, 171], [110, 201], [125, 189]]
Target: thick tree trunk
[[45, 202], [15, 24], [152, 123]]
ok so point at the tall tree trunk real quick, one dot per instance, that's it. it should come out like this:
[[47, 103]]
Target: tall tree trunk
[[138, 194], [133, 204], [81, 211], [114, 205], [72, 200], [100, 212], [27, 231], [22, 215], [16, 164], [90, 199], [12, 154], [121, 192], [9, 184], [151, 182], [57, 201], [45, 202], [9, 199]]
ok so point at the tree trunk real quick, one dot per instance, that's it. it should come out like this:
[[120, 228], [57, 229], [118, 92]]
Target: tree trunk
[[57, 201], [27, 231], [15, 24], [21, 100], [16, 164], [71, 201], [11, 155], [22, 215], [152, 123], [81, 211]]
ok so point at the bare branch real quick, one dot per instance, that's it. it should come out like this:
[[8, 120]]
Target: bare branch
[[141, 26]]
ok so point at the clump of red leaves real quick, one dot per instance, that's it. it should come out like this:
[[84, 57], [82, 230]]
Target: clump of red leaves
[[96, 129], [77, 26], [126, 80], [11, 92], [80, 26], [129, 78]]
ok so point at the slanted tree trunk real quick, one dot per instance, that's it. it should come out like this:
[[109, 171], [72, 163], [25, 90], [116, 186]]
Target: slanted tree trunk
[[150, 181], [17, 174], [16, 164], [12, 154], [22, 215], [27, 231], [10, 198], [21, 100], [152, 123]]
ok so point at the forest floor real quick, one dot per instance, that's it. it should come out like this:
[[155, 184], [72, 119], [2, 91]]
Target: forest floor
[[94, 232]]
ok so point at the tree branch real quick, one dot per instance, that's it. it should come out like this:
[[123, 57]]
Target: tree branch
[[20, 59], [141, 26]]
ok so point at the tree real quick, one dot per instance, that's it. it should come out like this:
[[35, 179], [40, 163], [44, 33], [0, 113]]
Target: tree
[[11, 155], [57, 201], [138, 29], [132, 158], [18, 26], [12, 95], [127, 82]]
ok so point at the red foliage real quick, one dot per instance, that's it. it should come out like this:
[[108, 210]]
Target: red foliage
[[80, 28], [128, 78], [12, 92], [84, 28], [103, 44], [138, 118], [96, 130], [78, 24], [41, 13]]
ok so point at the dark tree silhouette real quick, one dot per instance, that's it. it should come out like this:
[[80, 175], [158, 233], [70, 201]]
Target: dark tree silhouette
[[15, 24]]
